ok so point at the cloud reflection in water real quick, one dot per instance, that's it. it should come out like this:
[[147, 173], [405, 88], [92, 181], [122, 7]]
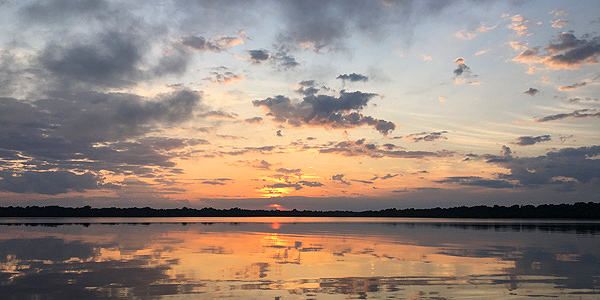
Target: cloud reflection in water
[[300, 259]]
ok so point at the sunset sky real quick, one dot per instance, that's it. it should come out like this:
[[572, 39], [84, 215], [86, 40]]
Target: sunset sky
[[326, 105]]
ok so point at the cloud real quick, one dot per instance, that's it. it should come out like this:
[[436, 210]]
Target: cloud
[[560, 23], [307, 87], [530, 140], [442, 99], [56, 10], [578, 114], [555, 167], [531, 91], [470, 34], [199, 43], [388, 176], [506, 152], [219, 114], [361, 148], [216, 181], [221, 43], [258, 164], [426, 136], [282, 60], [482, 52], [278, 133], [566, 52], [572, 86], [224, 77], [462, 72], [310, 183], [340, 178], [255, 120], [362, 181], [353, 77], [325, 111], [559, 12], [289, 171], [426, 57], [113, 59], [91, 132], [297, 185], [259, 56], [520, 25], [477, 181], [48, 182]]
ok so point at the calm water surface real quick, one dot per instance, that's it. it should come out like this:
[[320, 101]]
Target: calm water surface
[[298, 258]]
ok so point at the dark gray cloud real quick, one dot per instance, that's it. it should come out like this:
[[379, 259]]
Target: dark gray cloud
[[281, 60], [555, 167], [56, 10], [278, 133], [362, 148], [362, 181], [217, 181], [111, 60], [563, 169], [295, 185], [578, 114], [199, 43], [288, 171], [310, 183], [569, 50], [388, 176], [310, 87], [566, 52], [255, 120], [325, 111], [477, 181], [340, 178], [530, 140], [325, 25], [353, 77], [48, 182], [85, 133], [506, 151], [220, 44], [531, 91], [426, 136], [462, 70], [284, 61], [258, 56]]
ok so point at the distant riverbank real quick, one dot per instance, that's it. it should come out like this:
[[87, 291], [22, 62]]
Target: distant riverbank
[[580, 210]]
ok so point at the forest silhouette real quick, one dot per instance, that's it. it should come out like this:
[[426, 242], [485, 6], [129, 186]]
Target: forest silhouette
[[580, 210]]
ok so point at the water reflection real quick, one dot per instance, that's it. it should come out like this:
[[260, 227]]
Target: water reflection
[[291, 259]]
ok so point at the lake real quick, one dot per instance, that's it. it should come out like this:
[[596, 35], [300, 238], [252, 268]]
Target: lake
[[298, 258]]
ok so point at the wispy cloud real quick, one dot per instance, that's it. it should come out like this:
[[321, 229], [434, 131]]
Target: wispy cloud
[[578, 114]]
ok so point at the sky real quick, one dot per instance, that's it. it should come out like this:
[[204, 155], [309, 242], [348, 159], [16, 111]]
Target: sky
[[319, 105]]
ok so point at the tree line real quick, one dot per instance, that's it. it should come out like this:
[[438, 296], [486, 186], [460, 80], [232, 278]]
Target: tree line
[[580, 210]]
